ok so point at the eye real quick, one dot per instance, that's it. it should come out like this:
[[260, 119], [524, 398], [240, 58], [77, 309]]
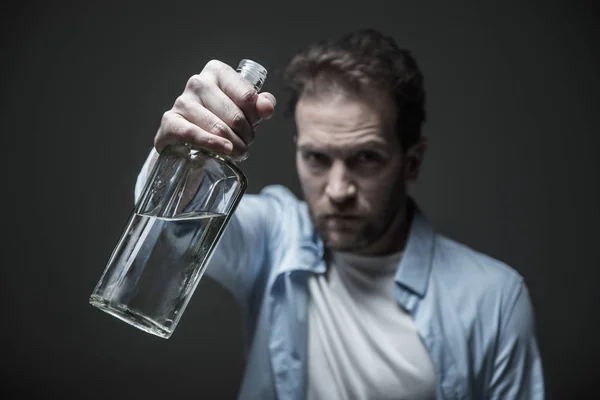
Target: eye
[[368, 157], [315, 159]]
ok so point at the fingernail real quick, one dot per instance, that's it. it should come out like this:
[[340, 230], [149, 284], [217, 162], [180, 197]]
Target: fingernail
[[272, 100], [228, 146]]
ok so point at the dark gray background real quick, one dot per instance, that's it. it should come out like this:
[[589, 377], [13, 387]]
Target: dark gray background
[[512, 169]]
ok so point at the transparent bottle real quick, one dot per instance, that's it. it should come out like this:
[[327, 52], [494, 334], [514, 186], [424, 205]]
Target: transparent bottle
[[178, 219]]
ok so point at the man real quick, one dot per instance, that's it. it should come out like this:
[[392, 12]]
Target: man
[[351, 294]]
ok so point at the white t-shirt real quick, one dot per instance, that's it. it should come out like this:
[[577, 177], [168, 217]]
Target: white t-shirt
[[361, 343]]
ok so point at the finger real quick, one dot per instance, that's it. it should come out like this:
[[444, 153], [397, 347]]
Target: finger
[[265, 108], [237, 88], [187, 106], [205, 89], [265, 105], [226, 110], [176, 129]]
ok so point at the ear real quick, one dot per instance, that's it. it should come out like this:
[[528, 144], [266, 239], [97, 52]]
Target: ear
[[414, 160]]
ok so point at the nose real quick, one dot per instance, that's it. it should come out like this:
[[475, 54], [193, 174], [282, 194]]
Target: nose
[[340, 189]]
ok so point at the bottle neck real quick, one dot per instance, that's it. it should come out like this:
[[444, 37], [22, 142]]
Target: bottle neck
[[253, 72]]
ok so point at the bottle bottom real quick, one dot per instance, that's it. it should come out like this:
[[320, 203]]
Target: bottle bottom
[[131, 317]]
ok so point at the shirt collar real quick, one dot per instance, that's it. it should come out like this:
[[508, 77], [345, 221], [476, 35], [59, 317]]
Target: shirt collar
[[415, 266]]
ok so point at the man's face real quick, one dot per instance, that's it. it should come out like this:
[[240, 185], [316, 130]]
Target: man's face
[[351, 167]]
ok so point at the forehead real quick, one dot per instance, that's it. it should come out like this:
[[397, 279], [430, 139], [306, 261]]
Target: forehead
[[338, 120]]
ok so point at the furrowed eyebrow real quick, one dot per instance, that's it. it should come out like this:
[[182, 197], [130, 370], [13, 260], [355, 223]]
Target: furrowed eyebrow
[[370, 144]]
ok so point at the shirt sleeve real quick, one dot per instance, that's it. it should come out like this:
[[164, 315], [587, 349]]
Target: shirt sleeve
[[518, 370], [243, 252]]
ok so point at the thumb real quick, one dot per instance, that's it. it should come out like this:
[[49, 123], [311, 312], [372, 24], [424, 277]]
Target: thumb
[[265, 105]]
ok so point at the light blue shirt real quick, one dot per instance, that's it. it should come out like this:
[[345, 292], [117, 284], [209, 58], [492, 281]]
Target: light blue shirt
[[472, 312]]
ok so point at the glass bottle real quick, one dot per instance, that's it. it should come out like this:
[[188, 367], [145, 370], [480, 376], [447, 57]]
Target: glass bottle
[[178, 219]]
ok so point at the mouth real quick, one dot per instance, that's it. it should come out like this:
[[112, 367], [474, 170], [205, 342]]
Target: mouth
[[341, 221], [348, 217]]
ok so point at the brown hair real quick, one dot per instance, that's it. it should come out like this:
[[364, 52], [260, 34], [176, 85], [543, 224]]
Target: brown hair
[[359, 61]]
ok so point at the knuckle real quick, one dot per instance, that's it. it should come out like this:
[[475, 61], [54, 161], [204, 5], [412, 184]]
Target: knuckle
[[247, 96], [180, 103], [219, 128], [214, 65], [196, 83], [166, 118], [238, 121]]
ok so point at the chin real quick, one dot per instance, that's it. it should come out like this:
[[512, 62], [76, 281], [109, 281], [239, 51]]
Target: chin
[[344, 241]]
